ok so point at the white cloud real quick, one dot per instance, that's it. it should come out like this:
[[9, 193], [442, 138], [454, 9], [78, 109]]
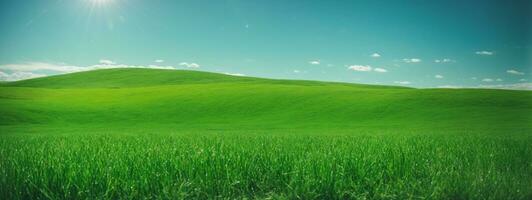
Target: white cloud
[[314, 62], [498, 79], [360, 68], [235, 74], [438, 76], [16, 76], [40, 66], [485, 53], [366, 68], [159, 61], [487, 80], [381, 70], [445, 60], [296, 71], [159, 67], [515, 72], [375, 55], [450, 86], [38, 69], [411, 60], [107, 62], [522, 80], [403, 82], [189, 65], [516, 86], [99, 66]]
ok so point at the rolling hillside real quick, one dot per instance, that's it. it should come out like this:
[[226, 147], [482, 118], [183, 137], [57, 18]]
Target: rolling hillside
[[161, 134], [201, 100]]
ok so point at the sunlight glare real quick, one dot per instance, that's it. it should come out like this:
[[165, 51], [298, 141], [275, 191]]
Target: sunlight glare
[[101, 2]]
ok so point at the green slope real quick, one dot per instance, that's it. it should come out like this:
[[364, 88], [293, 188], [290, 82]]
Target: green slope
[[189, 99], [138, 77], [160, 134]]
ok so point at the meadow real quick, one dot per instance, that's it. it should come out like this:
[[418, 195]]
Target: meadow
[[159, 134]]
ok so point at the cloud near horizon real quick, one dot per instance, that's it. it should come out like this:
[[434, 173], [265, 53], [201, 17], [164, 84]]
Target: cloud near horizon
[[15, 76], [107, 62], [515, 86], [411, 60], [445, 60], [515, 72], [380, 70], [235, 74], [366, 68], [360, 68], [15, 72], [403, 82], [189, 65], [485, 53], [314, 62]]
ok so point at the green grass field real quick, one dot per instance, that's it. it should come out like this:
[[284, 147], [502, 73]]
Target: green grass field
[[171, 134]]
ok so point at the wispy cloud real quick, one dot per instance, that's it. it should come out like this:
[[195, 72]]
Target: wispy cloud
[[403, 82], [491, 80], [438, 76], [515, 86], [158, 61], [14, 72], [314, 62], [485, 53], [514, 72], [366, 68], [95, 67], [450, 86], [375, 55], [411, 60], [235, 74], [156, 67], [107, 62], [445, 60], [41, 66], [15, 76], [380, 70], [189, 65], [360, 68]]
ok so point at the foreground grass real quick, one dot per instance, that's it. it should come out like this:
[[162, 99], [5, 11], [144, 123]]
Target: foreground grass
[[112, 165]]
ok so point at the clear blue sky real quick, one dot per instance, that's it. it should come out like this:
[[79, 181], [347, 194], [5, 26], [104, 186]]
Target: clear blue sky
[[419, 43]]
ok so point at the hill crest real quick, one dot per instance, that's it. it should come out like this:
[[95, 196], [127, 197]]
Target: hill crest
[[135, 77]]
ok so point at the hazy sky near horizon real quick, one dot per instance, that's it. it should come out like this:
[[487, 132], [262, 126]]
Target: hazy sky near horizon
[[415, 43]]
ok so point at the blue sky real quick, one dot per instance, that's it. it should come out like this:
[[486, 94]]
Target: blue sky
[[414, 43]]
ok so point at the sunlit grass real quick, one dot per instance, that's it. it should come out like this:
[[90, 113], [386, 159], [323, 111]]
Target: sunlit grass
[[114, 165], [171, 134]]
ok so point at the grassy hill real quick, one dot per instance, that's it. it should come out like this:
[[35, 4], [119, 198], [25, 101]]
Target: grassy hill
[[193, 99], [171, 134]]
